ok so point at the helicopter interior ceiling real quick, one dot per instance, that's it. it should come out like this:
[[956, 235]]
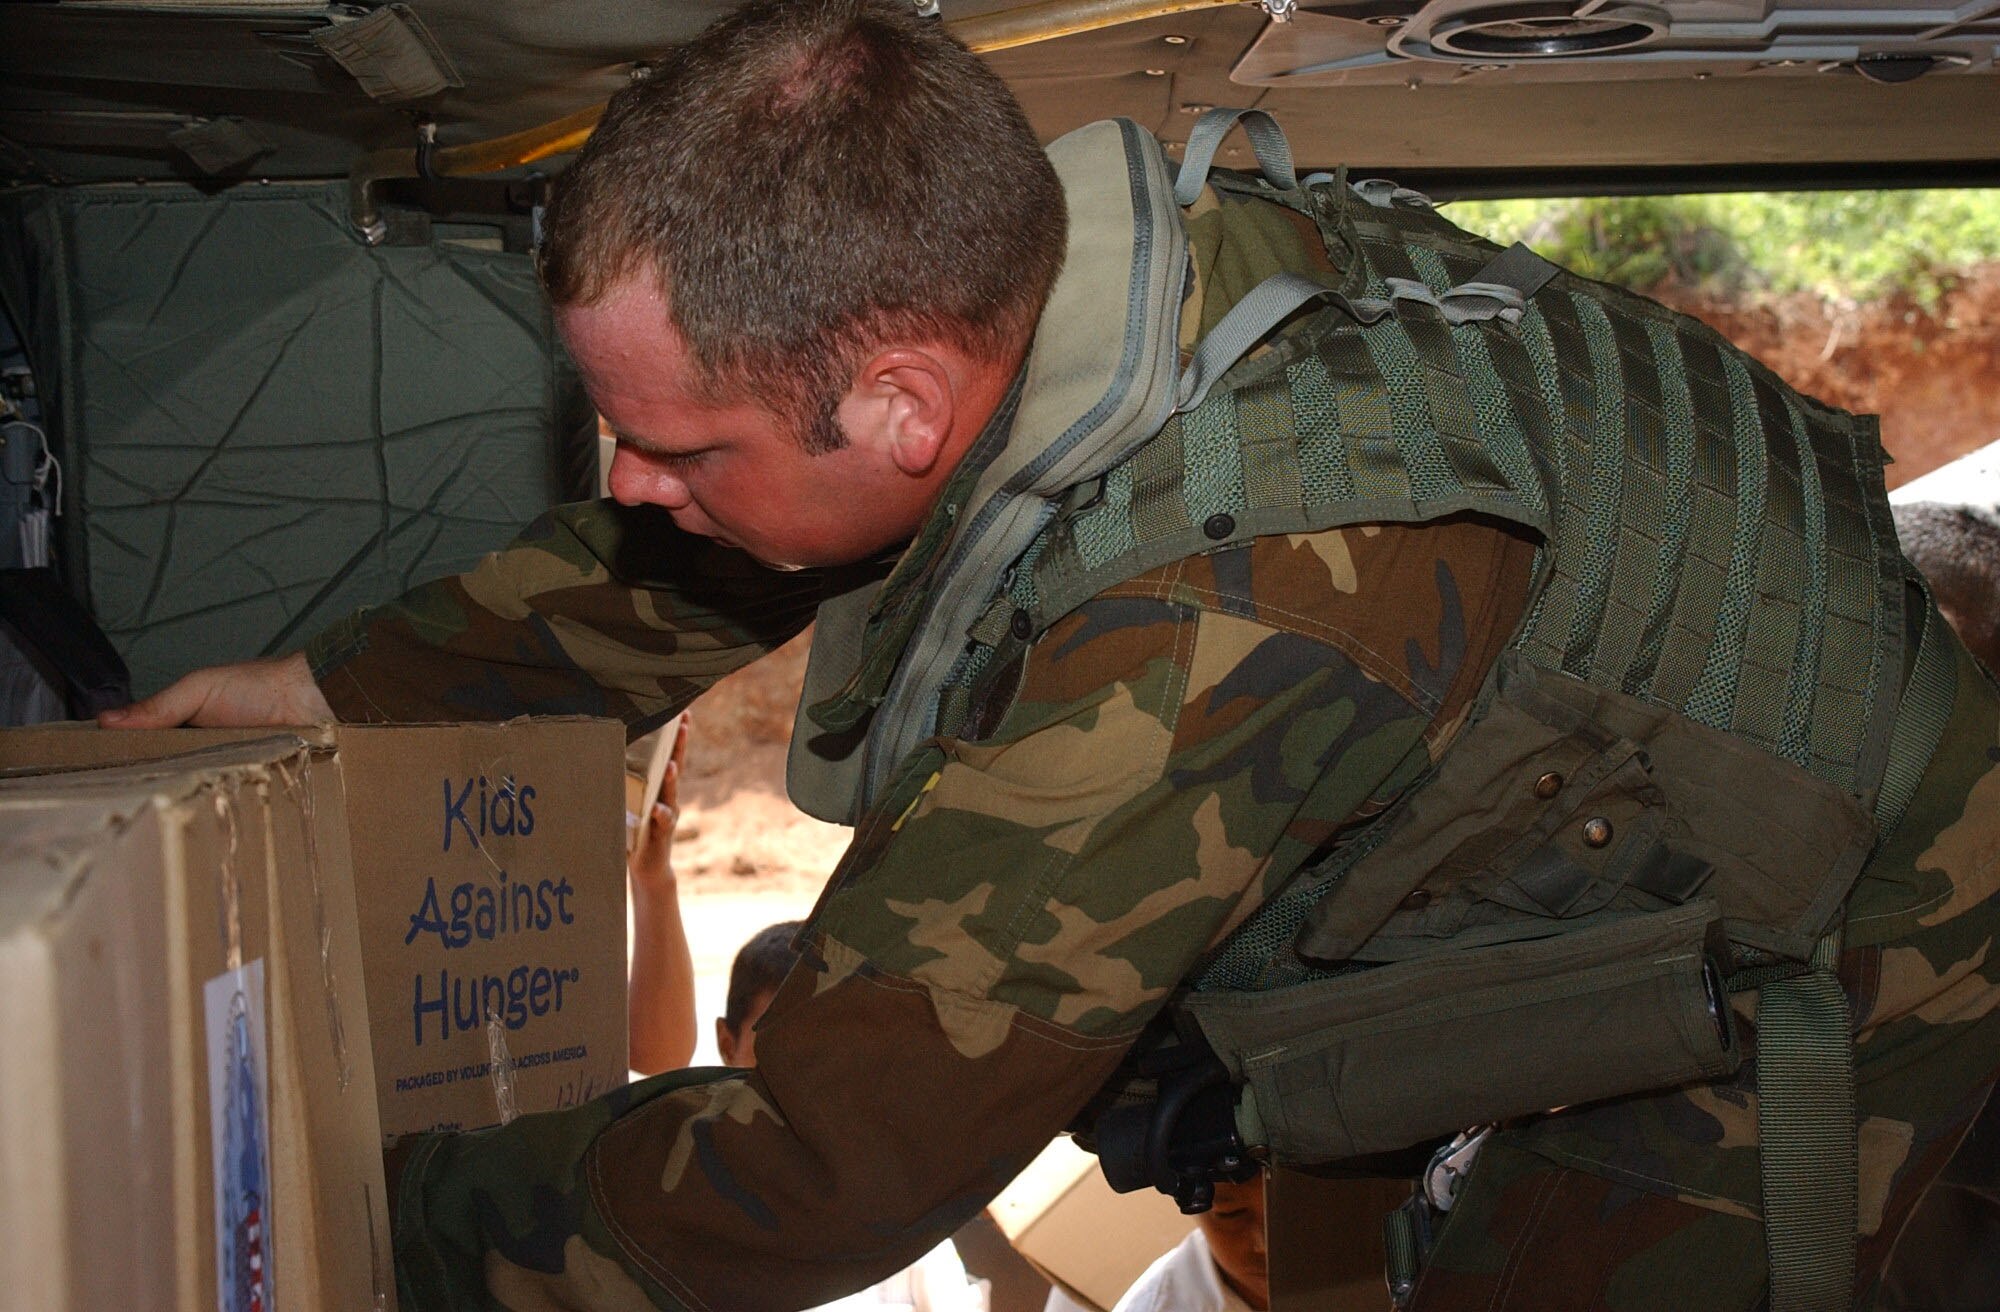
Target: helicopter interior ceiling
[[1467, 95]]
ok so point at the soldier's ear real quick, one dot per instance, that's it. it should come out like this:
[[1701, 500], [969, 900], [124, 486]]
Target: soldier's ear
[[904, 401], [725, 1042]]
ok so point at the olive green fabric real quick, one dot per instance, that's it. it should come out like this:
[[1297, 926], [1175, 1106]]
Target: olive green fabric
[[1718, 622], [1098, 382], [1717, 544], [264, 423], [1808, 1154], [1474, 1036], [1807, 1149], [1656, 1203], [1563, 801], [1720, 601]]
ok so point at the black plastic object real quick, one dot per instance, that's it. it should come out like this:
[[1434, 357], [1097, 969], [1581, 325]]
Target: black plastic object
[[1181, 1142]]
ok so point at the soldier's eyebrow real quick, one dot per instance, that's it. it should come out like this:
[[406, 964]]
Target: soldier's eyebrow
[[647, 447]]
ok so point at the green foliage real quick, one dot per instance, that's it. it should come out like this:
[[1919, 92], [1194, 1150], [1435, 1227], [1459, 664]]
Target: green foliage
[[1847, 245]]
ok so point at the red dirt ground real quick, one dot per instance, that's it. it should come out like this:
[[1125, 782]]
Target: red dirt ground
[[1934, 378]]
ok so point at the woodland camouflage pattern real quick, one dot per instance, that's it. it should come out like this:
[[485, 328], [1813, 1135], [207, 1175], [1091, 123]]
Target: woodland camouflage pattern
[[1023, 899], [1666, 1186]]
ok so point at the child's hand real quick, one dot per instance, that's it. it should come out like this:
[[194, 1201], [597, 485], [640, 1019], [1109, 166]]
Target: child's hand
[[661, 990], [651, 863]]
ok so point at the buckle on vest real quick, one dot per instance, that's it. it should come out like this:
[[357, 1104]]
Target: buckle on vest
[[1451, 1164]]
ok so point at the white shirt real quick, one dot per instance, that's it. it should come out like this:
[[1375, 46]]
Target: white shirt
[[937, 1283], [1185, 1279]]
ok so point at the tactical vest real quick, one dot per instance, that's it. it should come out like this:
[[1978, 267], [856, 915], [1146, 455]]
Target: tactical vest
[[1670, 780]]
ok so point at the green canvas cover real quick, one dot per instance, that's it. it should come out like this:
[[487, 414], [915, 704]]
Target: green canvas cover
[[266, 423]]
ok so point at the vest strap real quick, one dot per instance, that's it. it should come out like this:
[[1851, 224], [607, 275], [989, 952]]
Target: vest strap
[[1251, 319], [1384, 194], [1501, 290], [1516, 267], [1099, 380], [1469, 302], [1920, 719], [1274, 153], [1807, 1153], [1807, 1149]]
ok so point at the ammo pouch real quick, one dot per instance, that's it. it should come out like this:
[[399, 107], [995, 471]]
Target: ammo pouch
[[1546, 921], [1385, 1057]]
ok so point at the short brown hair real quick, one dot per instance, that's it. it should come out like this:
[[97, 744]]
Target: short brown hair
[[810, 179], [760, 966]]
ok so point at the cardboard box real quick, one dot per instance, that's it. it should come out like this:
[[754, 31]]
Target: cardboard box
[[490, 895], [86, 1122], [1063, 1216], [1325, 1241], [192, 1106]]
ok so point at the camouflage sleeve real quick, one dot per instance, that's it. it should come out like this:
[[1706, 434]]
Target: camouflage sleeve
[[595, 609], [1002, 927]]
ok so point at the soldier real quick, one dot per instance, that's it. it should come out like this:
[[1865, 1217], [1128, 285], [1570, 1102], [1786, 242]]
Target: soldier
[[1428, 677]]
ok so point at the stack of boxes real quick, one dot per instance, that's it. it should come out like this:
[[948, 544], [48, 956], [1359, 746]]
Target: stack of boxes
[[232, 964]]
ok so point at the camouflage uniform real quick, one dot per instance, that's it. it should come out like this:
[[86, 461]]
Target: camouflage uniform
[[1021, 900], [1666, 1186]]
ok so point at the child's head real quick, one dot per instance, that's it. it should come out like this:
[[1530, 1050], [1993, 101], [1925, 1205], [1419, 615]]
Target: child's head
[[760, 966], [1235, 1230]]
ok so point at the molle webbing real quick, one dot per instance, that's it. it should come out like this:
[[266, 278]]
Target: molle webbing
[[1714, 542], [1723, 544], [1338, 423]]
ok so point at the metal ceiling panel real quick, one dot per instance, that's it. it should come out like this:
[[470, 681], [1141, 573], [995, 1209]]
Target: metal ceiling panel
[[1482, 93], [1371, 44]]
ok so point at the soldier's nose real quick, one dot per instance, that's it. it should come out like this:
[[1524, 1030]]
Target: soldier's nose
[[635, 482]]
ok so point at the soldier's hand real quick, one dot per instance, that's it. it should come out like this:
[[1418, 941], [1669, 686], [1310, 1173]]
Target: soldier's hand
[[273, 692]]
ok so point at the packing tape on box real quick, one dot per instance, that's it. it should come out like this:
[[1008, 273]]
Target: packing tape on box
[[232, 891], [378, 1271], [501, 1064], [293, 780]]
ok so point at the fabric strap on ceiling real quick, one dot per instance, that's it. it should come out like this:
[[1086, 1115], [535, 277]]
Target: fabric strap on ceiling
[[391, 54], [220, 145]]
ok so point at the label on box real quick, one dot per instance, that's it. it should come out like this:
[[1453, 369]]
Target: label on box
[[239, 1127], [488, 951], [492, 905]]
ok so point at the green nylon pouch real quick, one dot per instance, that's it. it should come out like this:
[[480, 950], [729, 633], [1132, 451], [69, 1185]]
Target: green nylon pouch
[[1386, 1057], [1563, 801]]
